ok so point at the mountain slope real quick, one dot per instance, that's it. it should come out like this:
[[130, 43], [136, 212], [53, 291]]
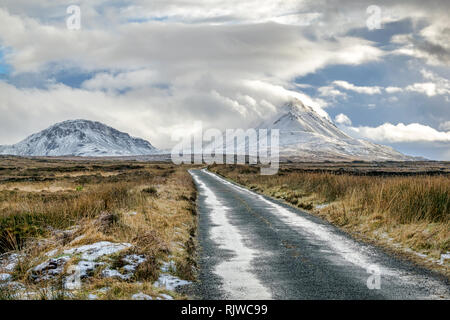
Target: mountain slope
[[80, 138], [306, 135]]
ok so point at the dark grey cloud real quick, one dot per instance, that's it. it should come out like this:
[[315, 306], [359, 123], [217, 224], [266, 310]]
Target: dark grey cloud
[[434, 50]]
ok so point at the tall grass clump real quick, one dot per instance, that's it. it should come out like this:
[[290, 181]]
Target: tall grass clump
[[25, 215], [403, 199], [412, 199]]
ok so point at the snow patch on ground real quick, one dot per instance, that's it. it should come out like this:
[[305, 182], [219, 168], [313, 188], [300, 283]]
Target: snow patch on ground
[[132, 263], [163, 296], [5, 277], [9, 261], [52, 253], [170, 282], [169, 266], [111, 273], [72, 275], [94, 251], [89, 254], [49, 269], [238, 279], [321, 206], [385, 236], [92, 296], [141, 296], [444, 257]]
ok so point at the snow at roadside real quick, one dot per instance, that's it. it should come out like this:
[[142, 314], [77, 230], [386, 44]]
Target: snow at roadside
[[239, 280]]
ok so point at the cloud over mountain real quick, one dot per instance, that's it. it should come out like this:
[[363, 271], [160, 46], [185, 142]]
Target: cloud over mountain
[[150, 68]]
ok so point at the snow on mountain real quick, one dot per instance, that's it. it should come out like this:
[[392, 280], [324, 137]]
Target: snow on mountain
[[80, 138], [305, 135]]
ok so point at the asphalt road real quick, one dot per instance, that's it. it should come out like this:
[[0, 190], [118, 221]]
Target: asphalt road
[[253, 247]]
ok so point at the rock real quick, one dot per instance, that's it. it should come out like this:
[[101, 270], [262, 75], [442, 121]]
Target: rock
[[130, 264], [141, 296], [82, 270], [9, 261], [163, 296], [88, 264], [111, 273], [4, 277], [87, 268], [89, 254], [94, 251], [49, 269], [133, 261]]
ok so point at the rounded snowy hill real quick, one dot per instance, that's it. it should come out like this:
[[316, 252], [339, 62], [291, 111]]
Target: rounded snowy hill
[[80, 138]]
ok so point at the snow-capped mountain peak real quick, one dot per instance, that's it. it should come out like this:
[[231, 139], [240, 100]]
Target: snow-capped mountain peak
[[80, 138], [294, 116], [295, 106], [306, 134]]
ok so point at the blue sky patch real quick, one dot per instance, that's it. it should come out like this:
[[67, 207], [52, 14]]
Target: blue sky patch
[[5, 69]]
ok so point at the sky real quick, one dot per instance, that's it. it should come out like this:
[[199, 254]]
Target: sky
[[379, 69]]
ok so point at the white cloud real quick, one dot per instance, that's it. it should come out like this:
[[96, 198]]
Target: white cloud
[[153, 76], [148, 112], [343, 119], [282, 95], [393, 89], [427, 88], [227, 63], [330, 91], [178, 47], [389, 133], [432, 44], [121, 81], [435, 85], [445, 126], [441, 85], [349, 86], [393, 99]]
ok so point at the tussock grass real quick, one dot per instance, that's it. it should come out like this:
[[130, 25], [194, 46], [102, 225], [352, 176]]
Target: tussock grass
[[52, 204], [404, 199], [24, 215]]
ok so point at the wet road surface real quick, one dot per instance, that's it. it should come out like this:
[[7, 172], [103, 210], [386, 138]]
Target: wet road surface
[[253, 247]]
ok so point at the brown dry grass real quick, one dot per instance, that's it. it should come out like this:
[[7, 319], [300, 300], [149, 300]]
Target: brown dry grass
[[45, 202], [411, 211]]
